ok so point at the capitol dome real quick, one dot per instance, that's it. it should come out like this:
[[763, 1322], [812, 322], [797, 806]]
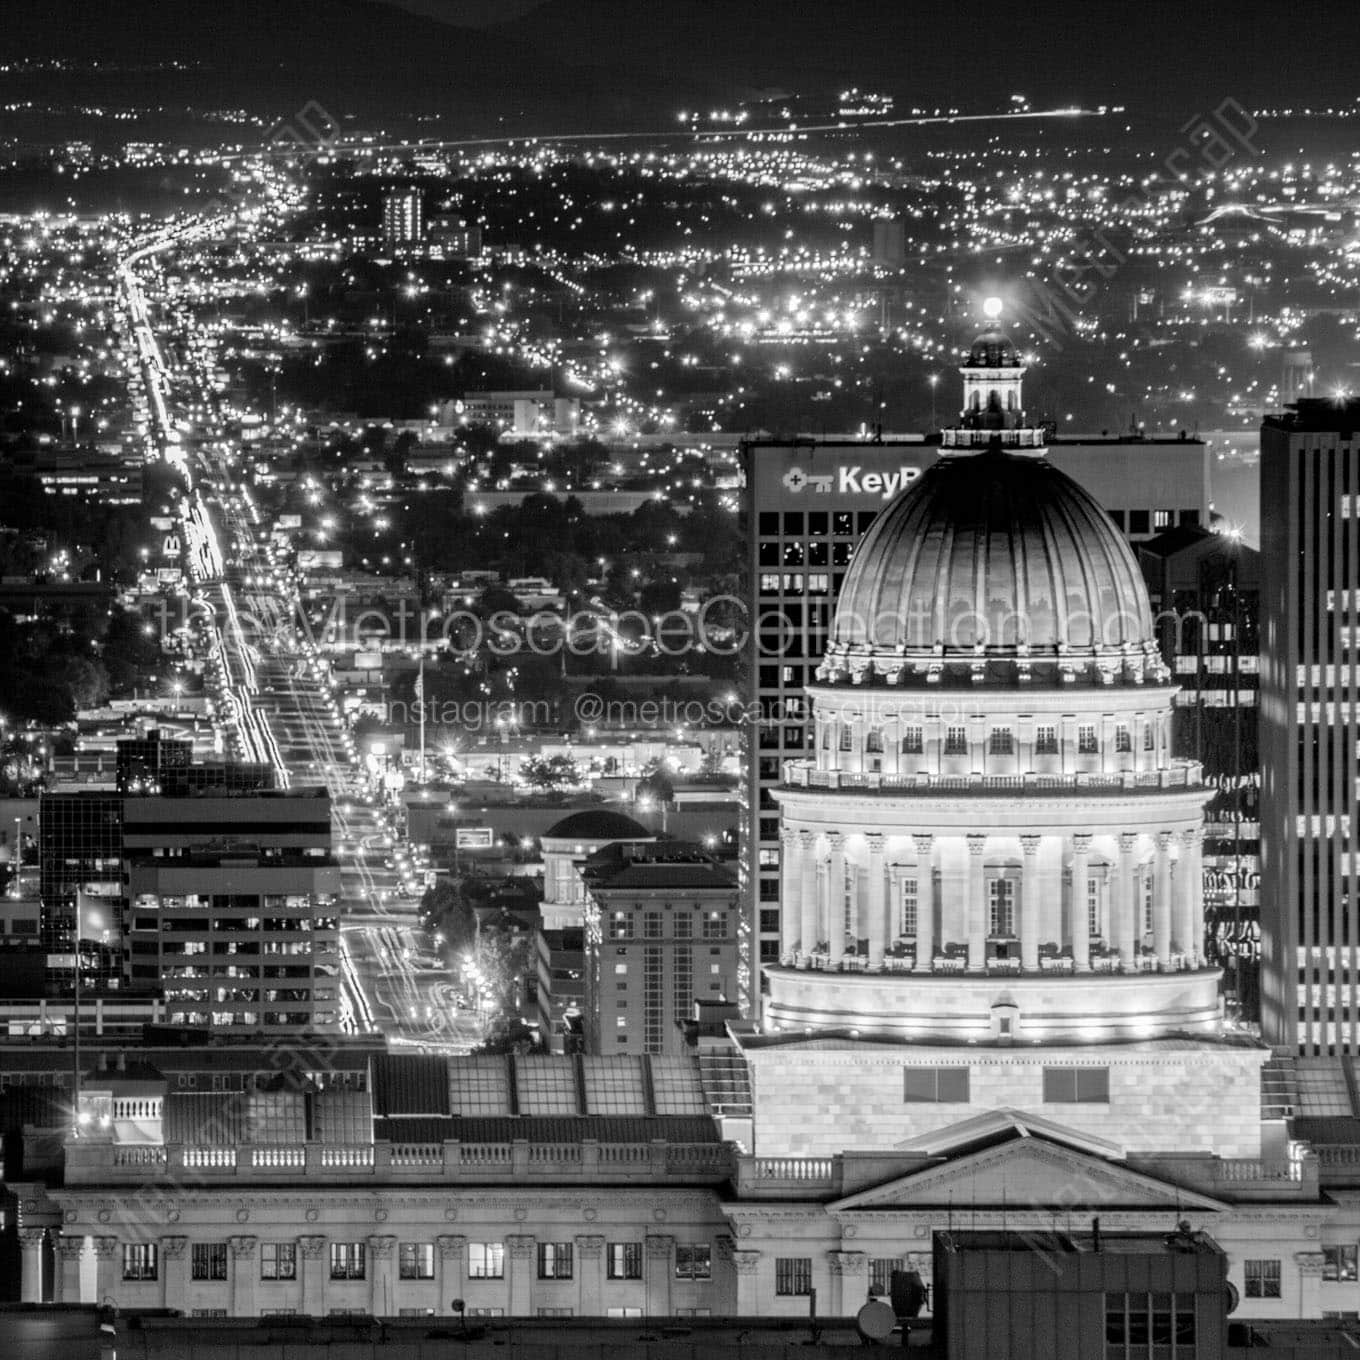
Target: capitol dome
[[995, 568], [993, 349]]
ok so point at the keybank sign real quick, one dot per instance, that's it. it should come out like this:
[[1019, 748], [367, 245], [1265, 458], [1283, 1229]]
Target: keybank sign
[[852, 480]]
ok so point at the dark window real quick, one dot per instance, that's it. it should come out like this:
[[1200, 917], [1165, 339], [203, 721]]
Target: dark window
[[1262, 1279], [415, 1260], [1001, 742], [793, 521], [913, 743], [1045, 741], [944, 1085], [1076, 1085], [1138, 521], [768, 523], [554, 1260], [278, 1260], [208, 1261], [693, 1261], [1339, 1263], [956, 741], [793, 1275]]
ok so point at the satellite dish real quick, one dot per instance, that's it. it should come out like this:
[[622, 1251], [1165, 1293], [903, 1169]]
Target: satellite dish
[[875, 1321]]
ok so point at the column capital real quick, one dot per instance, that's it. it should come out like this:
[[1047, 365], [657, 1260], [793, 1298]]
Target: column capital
[[1128, 841], [312, 1247], [590, 1247], [807, 838], [381, 1246], [836, 841], [69, 1248], [450, 1245], [659, 1246], [1081, 842], [924, 843], [788, 835], [1164, 839], [521, 1246], [1030, 845], [848, 1262], [172, 1248], [104, 1247], [745, 1262], [976, 845], [876, 840], [242, 1248], [31, 1237], [1191, 836]]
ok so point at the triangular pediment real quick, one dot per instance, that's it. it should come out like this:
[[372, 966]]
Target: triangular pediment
[[1027, 1172]]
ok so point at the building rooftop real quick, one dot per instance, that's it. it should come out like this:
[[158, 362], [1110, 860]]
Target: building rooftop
[[598, 824], [1318, 415]]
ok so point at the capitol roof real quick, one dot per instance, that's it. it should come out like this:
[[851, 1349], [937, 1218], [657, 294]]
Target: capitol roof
[[993, 569]]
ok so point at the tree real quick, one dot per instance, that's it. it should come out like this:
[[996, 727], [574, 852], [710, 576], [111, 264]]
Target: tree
[[656, 783], [504, 952], [552, 774], [445, 909]]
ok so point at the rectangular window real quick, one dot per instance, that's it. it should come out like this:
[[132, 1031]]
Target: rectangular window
[[693, 1261], [715, 925], [1094, 924], [208, 1261], [278, 1260], [873, 741], [555, 1312], [1076, 1085], [909, 904], [1339, 1263], [937, 1085], [625, 1261], [1045, 741], [623, 1312], [1123, 739], [554, 1260], [913, 741], [1163, 519], [652, 923], [793, 1275], [1149, 738], [1262, 1279], [140, 1260], [956, 741], [1001, 900], [348, 1260], [881, 1272], [486, 1260], [1087, 745], [415, 1260], [1001, 742], [847, 742]]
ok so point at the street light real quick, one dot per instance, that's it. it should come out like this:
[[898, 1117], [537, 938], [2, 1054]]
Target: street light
[[934, 383]]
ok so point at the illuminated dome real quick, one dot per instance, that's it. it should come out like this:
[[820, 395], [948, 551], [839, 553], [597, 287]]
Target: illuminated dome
[[993, 349], [995, 568]]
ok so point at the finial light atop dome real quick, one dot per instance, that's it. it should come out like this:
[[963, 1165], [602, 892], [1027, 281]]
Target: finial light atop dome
[[992, 308]]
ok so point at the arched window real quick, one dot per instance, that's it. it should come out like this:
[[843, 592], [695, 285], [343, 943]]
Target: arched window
[[873, 742]]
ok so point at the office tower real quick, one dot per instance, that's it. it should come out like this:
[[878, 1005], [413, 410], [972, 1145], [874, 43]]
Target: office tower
[[1205, 592], [1310, 594], [403, 217], [809, 502], [660, 927]]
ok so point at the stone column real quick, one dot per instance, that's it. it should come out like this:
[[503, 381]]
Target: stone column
[[314, 1271], [849, 1283], [791, 882], [520, 1249], [1189, 929], [877, 926], [452, 1262], [174, 1272], [1081, 921], [1030, 913], [1124, 903], [108, 1269], [925, 902], [977, 906], [30, 1264], [244, 1276], [835, 896], [807, 892], [746, 1264], [1161, 900], [382, 1266], [590, 1273], [658, 1270], [70, 1250]]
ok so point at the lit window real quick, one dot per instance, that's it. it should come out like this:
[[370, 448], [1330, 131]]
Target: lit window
[[1045, 741], [554, 1260], [909, 904], [624, 1261], [1339, 1263], [1001, 742], [913, 741], [693, 1261], [1123, 739], [208, 1261], [278, 1260], [486, 1260], [1001, 899], [347, 1260], [415, 1260], [956, 741]]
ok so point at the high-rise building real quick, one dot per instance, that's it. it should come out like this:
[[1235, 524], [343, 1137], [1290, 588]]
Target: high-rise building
[[1205, 592], [810, 502], [1310, 726], [403, 218], [660, 931]]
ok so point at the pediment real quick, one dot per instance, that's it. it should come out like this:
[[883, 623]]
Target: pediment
[[1028, 1173]]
